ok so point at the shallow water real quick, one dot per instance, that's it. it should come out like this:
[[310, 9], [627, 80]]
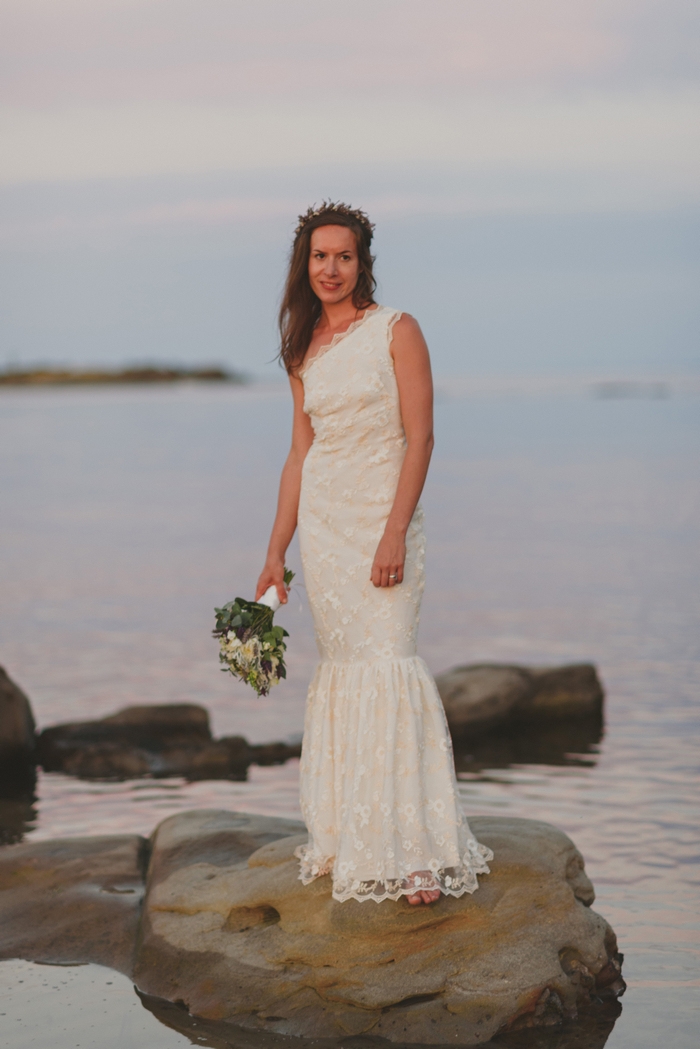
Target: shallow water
[[562, 527]]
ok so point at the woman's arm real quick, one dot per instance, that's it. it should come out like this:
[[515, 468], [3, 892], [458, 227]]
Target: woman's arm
[[288, 500], [412, 366]]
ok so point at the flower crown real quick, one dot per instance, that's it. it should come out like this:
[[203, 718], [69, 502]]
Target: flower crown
[[340, 209]]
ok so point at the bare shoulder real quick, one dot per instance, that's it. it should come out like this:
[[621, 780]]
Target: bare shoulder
[[407, 326], [407, 337]]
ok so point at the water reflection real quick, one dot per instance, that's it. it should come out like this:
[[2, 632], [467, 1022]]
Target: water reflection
[[590, 1031], [564, 742], [17, 817]]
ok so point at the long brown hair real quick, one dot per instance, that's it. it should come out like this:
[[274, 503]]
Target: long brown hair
[[300, 310]]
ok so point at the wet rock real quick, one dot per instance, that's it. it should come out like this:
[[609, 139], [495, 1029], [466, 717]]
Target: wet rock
[[73, 900], [565, 692], [17, 738], [481, 698], [590, 1030], [230, 932], [230, 936], [169, 740]]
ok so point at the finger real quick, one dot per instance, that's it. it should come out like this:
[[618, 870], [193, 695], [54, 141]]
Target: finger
[[282, 593], [393, 576], [385, 577], [399, 574]]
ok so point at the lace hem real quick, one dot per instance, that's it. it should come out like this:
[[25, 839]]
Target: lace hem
[[451, 881]]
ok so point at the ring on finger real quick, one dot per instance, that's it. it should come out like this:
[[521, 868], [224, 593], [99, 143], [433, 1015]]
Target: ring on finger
[[393, 577]]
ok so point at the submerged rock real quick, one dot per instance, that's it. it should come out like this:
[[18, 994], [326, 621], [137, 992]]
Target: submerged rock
[[17, 738], [229, 931], [489, 697], [169, 740]]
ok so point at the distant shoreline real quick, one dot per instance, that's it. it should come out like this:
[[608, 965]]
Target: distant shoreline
[[111, 376]]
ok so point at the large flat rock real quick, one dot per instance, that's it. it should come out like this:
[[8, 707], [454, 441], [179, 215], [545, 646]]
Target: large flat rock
[[229, 931], [72, 900]]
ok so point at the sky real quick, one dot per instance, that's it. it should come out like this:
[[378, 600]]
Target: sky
[[533, 170]]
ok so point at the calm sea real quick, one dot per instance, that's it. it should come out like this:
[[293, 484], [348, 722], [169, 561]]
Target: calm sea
[[563, 526]]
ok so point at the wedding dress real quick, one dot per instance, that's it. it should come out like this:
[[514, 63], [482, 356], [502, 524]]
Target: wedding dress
[[378, 788]]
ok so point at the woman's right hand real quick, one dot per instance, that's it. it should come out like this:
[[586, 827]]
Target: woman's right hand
[[272, 574]]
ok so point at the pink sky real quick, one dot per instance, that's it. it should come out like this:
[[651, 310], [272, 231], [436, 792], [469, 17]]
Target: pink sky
[[124, 51]]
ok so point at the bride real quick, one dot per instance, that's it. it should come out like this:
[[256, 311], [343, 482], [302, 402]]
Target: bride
[[378, 788]]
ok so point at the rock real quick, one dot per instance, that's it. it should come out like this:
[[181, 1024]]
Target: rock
[[17, 738], [177, 722], [231, 936], [482, 697], [72, 901], [170, 740], [566, 692], [229, 931], [478, 697]]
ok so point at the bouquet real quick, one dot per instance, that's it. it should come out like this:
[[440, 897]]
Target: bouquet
[[250, 647]]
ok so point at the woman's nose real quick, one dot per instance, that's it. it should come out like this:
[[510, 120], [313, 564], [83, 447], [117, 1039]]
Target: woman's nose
[[330, 267]]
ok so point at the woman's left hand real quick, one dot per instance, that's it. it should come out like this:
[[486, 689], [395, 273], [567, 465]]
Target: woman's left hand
[[387, 569]]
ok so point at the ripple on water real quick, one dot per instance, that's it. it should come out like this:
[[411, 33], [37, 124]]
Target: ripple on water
[[561, 529]]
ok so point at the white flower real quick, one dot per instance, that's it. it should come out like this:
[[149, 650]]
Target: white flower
[[251, 649]]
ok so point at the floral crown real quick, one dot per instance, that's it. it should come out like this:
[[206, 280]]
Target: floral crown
[[340, 209]]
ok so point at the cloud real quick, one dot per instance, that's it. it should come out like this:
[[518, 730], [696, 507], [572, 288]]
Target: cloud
[[636, 146], [598, 90], [122, 51]]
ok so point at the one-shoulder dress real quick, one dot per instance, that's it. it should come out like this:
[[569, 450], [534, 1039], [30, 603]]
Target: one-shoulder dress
[[378, 787]]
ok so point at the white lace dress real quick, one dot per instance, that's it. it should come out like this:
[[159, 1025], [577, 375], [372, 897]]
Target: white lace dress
[[378, 788]]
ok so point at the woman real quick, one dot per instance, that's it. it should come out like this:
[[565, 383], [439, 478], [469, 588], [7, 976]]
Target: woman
[[378, 789]]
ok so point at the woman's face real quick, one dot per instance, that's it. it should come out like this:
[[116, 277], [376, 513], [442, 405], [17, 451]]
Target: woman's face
[[333, 263]]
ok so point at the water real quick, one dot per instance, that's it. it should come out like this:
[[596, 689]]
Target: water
[[562, 527]]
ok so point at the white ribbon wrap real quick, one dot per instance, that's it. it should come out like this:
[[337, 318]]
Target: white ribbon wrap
[[270, 598]]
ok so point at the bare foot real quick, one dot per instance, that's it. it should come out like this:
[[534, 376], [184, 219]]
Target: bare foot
[[422, 895]]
